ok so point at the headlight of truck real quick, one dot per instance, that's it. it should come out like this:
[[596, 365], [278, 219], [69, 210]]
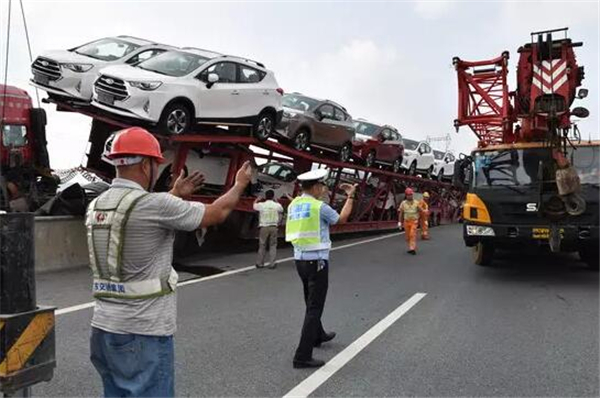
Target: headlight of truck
[[146, 86], [79, 68], [478, 230]]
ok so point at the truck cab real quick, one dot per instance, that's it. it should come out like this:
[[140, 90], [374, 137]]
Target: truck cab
[[23, 154], [513, 202]]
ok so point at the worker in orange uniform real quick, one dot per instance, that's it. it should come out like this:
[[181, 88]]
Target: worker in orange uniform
[[424, 216], [408, 217]]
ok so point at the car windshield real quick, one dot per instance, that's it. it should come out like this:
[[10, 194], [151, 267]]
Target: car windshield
[[299, 102], [173, 63], [410, 145], [366, 128], [438, 155], [519, 167], [14, 135], [107, 49]]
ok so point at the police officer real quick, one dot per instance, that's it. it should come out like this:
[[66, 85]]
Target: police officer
[[307, 227], [130, 239]]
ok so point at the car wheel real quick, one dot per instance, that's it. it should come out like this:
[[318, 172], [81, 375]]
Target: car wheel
[[264, 126], [412, 170], [176, 119], [483, 253], [301, 140], [440, 175], [345, 152], [370, 160], [397, 165]]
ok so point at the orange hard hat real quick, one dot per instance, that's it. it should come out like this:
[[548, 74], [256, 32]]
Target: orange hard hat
[[408, 191], [135, 141]]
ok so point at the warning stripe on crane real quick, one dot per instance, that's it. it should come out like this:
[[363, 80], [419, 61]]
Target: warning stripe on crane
[[551, 76], [26, 339]]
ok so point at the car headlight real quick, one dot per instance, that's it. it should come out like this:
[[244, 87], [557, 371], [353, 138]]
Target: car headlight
[[79, 68], [478, 230], [146, 86]]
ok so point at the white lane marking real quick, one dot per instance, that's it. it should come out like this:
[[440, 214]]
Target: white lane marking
[[90, 304], [321, 375]]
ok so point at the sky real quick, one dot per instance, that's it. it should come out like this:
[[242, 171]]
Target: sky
[[389, 62]]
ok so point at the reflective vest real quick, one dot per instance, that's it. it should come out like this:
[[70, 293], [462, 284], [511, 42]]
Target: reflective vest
[[410, 209], [106, 219], [268, 213], [303, 225]]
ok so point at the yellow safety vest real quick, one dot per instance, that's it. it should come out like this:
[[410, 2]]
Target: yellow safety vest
[[106, 219], [303, 225], [410, 209]]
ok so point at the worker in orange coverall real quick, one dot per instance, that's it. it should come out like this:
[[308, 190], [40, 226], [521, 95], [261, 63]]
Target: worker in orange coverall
[[424, 217], [408, 217]]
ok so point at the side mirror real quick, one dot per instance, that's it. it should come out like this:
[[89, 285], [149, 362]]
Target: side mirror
[[580, 112], [582, 93], [212, 79], [318, 115]]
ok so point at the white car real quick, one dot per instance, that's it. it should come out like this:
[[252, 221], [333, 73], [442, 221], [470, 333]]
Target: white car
[[418, 158], [443, 168], [70, 74], [180, 88]]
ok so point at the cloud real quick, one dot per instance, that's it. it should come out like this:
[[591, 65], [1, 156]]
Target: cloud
[[432, 10]]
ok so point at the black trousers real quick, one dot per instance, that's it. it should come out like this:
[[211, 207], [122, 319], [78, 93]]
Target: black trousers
[[315, 280]]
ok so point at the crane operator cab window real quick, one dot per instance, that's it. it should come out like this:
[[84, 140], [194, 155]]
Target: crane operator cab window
[[14, 135]]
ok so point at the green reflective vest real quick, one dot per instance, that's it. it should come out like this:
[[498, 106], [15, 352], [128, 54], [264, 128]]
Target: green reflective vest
[[106, 219], [303, 225]]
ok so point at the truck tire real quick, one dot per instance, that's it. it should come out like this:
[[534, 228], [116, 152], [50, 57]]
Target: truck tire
[[483, 254], [590, 256]]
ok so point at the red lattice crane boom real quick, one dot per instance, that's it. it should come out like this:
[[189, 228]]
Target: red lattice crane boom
[[547, 78]]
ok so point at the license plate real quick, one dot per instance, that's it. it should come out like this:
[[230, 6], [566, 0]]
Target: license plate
[[544, 233], [540, 233], [41, 79], [106, 98]]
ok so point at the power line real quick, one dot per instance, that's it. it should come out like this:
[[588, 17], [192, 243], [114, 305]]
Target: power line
[[37, 94]]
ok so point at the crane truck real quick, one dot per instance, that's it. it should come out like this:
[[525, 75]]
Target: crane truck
[[533, 180]]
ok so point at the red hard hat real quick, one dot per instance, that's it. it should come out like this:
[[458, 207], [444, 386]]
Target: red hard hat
[[135, 141], [409, 191]]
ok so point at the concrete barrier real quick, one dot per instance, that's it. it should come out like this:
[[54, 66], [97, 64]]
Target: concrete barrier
[[60, 243]]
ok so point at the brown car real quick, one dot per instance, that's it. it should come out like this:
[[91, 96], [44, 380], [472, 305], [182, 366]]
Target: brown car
[[308, 122]]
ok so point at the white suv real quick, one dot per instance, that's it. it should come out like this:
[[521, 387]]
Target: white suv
[[70, 74], [444, 165], [418, 158], [179, 88]]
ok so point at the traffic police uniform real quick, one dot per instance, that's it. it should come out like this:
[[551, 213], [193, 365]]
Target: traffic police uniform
[[307, 228]]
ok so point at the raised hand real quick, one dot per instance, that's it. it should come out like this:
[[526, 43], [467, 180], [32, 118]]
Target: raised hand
[[244, 175], [184, 186]]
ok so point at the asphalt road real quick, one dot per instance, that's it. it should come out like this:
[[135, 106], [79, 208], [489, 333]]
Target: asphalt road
[[525, 327]]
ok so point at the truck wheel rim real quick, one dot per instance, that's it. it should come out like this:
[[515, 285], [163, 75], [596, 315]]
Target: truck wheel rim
[[370, 159], [176, 121]]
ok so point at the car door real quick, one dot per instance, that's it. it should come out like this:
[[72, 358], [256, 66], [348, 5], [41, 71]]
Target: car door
[[427, 157], [450, 161], [343, 128], [421, 161], [220, 101], [324, 127], [253, 98]]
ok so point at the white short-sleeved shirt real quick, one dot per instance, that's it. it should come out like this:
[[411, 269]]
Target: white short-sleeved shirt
[[269, 213], [148, 253]]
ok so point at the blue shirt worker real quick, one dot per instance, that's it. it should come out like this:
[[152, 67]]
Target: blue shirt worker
[[130, 239], [307, 228]]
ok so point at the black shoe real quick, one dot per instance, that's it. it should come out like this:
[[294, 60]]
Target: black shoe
[[325, 338], [413, 252], [311, 363], [273, 266]]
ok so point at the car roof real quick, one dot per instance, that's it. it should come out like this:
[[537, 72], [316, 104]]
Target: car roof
[[202, 52], [408, 140], [136, 40], [319, 99], [381, 125]]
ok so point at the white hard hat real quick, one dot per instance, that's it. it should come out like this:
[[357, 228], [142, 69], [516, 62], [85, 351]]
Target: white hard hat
[[313, 175]]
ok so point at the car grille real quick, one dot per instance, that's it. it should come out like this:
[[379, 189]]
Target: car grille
[[46, 67], [113, 86]]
